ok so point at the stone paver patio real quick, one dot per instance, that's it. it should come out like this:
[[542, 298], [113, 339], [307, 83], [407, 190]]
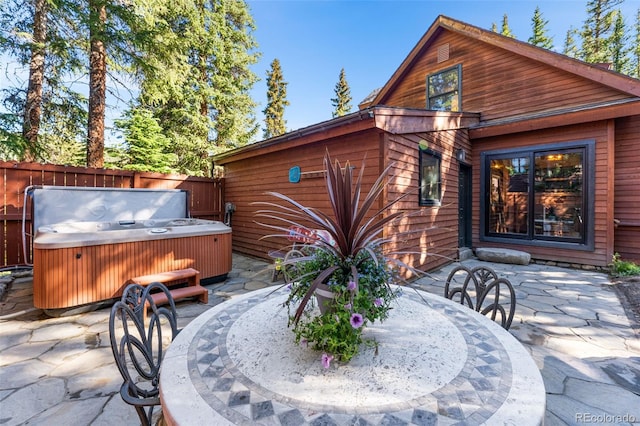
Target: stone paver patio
[[61, 370]]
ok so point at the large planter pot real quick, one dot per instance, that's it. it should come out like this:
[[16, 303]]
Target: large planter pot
[[325, 298]]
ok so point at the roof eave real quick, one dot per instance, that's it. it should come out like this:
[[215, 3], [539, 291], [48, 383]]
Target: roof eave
[[337, 126], [394, 120], [531, 122]]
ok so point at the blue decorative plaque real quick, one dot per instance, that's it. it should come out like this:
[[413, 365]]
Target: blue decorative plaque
[[294, 174]]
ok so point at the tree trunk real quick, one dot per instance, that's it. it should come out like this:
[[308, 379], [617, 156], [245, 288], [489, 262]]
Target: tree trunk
[[33, 105], [97, 84]]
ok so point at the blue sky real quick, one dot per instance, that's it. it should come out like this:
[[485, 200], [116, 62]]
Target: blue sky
[[314, 40]]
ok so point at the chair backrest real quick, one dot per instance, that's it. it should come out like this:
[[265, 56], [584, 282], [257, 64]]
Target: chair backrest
[[491, 305], [484, 275], [480, 289], [462, 287], [138, 348]]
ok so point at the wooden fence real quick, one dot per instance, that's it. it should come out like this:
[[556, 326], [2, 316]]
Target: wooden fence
[[206, 196]]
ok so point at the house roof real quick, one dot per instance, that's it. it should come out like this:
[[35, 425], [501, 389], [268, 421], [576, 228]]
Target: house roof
[[555, 118], [395, 120], [586, 70]]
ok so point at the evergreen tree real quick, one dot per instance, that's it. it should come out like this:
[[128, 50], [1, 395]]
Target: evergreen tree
[[114, 39], [505, 30], [191, 60], [539, 26], [196, 78], [342, 102], [146, 147], [570, 47], [97, 82], [596, 31], [494, 27], [275, 124], [635, 51], [618, 46], [232, 107], [33, 105], [48, 111]]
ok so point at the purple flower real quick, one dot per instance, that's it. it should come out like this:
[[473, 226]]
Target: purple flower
[[377, 302], [351, 286], [347, 306], [304, 342], [326, 360], [356, 320]]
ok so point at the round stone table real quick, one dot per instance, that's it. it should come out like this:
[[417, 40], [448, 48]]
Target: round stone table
[[435, 362]]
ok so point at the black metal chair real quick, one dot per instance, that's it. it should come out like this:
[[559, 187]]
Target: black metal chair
[[138, 348], [480, 289]]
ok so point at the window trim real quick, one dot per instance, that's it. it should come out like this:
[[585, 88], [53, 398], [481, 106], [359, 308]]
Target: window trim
[[458, 67], [588, 242], [429, 201]]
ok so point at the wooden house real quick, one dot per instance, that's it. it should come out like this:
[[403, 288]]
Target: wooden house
[[500, 143]]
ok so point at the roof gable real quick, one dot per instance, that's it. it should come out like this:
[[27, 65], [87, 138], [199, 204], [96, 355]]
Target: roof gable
[[627, 86]]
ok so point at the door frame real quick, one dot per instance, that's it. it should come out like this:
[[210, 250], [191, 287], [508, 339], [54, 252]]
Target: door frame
[[464, 205]]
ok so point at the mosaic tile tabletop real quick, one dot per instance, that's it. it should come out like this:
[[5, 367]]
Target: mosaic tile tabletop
[[434, 362]]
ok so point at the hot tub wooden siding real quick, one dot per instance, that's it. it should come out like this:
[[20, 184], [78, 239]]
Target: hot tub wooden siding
[[74, 276]]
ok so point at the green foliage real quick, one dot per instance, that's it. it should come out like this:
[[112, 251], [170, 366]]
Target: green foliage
[[620, 60], [275, 124], [539, 27], [196, 77], [147, 148], [12, 144], [191, 60], [505, 29], [596, 31], [622, 268], [338, 330], [635, 51], [570, 48], [342, 102], [63, 126], [59, 142]]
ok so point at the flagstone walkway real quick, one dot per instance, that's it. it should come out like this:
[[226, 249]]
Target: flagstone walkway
[[61, 371]]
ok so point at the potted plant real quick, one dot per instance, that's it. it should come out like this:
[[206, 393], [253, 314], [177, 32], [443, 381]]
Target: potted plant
[[342, 264]]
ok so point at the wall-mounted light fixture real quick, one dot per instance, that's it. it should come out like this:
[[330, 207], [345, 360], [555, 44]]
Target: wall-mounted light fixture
[[461, 154]]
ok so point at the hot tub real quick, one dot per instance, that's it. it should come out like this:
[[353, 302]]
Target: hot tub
[[78, 263], [88, 242]]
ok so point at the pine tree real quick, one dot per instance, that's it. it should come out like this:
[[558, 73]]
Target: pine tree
[[196, 78], [539, 26], [635, 51], [97, 83], [275, 124], [505, 30], [342, 102], [570, 48], [50, 115], [147, 148], [620, 60], [596, 31], [33, 106]]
